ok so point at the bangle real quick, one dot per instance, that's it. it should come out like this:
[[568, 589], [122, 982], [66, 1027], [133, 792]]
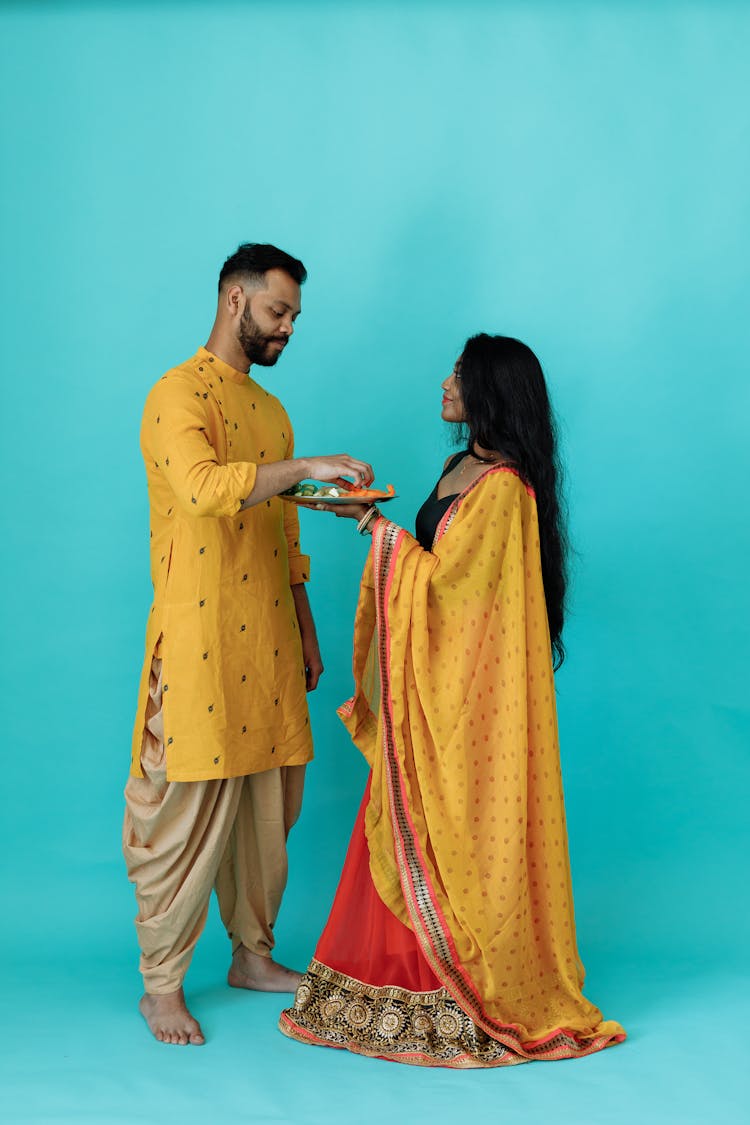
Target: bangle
[[362, 525]]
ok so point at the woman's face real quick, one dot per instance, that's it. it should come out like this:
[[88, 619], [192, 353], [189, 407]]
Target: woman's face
[[453, 406]]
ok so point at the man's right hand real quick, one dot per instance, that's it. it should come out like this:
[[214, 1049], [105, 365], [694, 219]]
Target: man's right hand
[[276, 477], [332, 470]]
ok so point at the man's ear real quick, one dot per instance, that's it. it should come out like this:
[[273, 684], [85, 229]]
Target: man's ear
[[234, 300]]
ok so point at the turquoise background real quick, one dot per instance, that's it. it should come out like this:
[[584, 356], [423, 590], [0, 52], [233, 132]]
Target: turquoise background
[[575, 174]]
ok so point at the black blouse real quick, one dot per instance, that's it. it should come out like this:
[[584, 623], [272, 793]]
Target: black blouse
[[433, 509]]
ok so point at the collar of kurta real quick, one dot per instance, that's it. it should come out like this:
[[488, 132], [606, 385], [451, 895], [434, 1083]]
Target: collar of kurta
[[221, 368]]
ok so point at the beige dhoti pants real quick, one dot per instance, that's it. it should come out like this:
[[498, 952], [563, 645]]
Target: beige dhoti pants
[[183, 838]]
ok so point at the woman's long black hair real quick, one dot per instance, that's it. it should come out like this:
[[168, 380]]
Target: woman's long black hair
[[507, 409]]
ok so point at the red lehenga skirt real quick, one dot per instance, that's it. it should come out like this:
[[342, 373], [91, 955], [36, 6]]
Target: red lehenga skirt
[[369, 988], [362, 939]]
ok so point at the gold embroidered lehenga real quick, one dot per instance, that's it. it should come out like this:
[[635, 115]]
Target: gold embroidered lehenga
[[451, 941]]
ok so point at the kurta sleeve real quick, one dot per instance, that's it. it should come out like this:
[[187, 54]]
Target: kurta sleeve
[[175, 437], [299, 564]]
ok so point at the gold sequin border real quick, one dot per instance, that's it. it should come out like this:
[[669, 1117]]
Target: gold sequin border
[[421, 1028]]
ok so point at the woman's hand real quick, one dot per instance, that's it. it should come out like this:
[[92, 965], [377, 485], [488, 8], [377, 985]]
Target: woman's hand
[[348, 511]]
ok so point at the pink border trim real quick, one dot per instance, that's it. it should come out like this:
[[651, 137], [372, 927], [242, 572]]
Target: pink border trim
[[384, 625], [447, 936]]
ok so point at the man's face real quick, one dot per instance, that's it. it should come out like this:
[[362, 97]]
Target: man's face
[[267, 321]]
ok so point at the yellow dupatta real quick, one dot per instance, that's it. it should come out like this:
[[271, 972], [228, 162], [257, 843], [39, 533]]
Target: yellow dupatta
[[454, 709]]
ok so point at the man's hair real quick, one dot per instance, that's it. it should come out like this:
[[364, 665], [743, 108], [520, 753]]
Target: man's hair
[[251, 260]]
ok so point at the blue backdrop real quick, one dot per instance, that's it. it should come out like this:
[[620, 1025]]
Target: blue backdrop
[[573, 174]]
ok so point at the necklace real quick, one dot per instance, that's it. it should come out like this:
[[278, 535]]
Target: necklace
[[474, 457]]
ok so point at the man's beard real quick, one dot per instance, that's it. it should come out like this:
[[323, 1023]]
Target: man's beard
[[258, 347]]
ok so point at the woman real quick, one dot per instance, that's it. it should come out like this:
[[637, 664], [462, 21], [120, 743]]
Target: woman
[[451, 940]]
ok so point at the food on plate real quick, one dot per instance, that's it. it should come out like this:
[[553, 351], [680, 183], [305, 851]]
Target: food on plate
[[369, 493], [307, 491]]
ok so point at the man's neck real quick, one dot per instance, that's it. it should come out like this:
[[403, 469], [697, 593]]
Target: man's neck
[[227, 348]]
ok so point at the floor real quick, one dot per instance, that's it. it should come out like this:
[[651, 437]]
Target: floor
[[76, 1050]]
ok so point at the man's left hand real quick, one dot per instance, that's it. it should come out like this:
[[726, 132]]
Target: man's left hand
[[308, 636], [313, 662]]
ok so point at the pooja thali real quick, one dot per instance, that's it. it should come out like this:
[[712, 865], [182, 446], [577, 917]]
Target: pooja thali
[[308, 494]]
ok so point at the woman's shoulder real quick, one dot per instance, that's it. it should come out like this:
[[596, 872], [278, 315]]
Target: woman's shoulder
[[452, 459], [487, 509], [502, 481]]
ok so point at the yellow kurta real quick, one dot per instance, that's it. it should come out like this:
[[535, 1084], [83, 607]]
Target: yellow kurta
[[223, 618]]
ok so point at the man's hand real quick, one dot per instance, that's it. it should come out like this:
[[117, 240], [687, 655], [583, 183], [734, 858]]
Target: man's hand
[[334, 469], [310, 647], [272, 479], [313, 662]]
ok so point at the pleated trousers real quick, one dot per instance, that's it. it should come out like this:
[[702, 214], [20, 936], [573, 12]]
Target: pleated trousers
[[181, 839]]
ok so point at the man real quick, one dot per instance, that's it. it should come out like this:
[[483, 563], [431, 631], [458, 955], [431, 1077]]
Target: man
[[222, 733]]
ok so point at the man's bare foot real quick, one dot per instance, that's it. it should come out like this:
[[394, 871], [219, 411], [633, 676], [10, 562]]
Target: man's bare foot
[[169, 1019], [250, 970]]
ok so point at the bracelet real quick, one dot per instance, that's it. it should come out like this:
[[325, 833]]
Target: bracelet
[[362, 524]]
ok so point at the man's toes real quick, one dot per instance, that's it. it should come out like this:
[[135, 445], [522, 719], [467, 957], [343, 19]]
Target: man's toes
[[196, 1037]]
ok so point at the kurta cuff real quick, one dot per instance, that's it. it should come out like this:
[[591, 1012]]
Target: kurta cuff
[[239, 482], [299, 569]]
